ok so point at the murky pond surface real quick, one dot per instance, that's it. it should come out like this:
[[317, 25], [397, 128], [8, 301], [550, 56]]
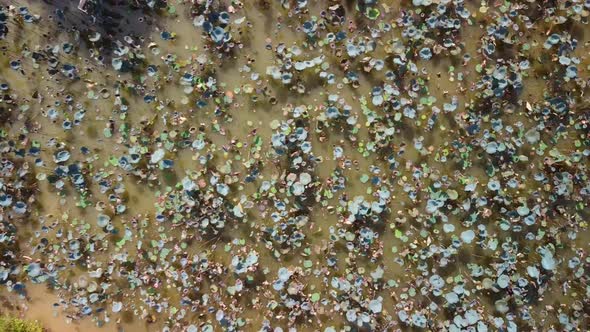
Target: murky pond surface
[[315, 165]]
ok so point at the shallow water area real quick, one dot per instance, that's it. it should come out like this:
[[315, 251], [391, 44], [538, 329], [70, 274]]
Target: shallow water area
[[315, 165]]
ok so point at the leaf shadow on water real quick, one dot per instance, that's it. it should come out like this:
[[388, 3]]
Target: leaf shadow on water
[[112, 19]]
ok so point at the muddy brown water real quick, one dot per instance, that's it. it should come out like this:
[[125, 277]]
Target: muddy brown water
[[245, 117]]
